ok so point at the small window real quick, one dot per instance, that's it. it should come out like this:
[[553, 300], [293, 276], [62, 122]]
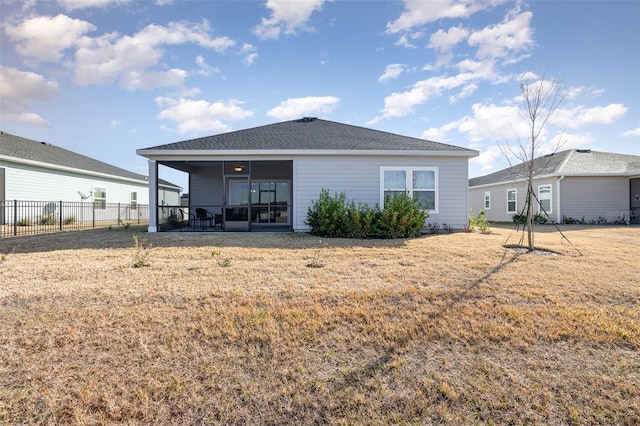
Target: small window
[[512, 206], [487, 200], [134, 201], [544, 196], [100, 198]]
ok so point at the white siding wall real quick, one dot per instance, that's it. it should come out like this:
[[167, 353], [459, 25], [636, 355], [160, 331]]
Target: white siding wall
[[594, 197], [359, 178], [30, 183]]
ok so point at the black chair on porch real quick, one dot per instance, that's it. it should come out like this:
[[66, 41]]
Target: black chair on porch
[[203, 217]]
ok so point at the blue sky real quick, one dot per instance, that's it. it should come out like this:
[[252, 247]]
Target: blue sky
[[106, 77]]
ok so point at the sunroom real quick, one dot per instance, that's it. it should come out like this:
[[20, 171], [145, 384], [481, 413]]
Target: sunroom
[[232, 195]]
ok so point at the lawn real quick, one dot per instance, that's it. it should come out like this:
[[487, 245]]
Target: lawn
[[225, 328]]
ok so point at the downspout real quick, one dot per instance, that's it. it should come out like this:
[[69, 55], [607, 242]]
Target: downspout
[[558, 201]]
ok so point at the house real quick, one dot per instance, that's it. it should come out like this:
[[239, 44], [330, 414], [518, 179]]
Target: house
[[38, 171], [571, 185], [267, 177]]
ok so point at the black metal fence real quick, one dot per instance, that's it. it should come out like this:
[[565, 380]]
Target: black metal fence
[[36, 217]]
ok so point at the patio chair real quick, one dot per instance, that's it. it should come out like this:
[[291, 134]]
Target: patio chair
[[203, 216]]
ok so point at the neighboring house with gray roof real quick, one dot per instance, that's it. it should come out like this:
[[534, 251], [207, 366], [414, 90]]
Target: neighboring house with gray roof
[[572, 184], [267, 177], [39, 171]]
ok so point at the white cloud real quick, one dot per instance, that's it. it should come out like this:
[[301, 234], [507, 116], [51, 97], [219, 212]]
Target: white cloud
[[562, 140], [434, 134], [200, 115], [420, 12], [445, 40], [466, 91], [493, 122], [391, 72], [632, 133], [286, 16], [135, 80], [574, 92], [514, 34], [44, 38], [84, 4], [205, 69], [112, 57], [403, 41], [299, 107], [400, 104], [580, 116], [18, 90], [491, 158], [250, 53]]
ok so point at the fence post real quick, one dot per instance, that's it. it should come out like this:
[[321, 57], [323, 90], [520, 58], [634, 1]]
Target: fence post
[[119, 214], [60, 215], [93, 214], [15, 217]]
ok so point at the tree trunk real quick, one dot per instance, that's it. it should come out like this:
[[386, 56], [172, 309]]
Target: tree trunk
[[530, 216]]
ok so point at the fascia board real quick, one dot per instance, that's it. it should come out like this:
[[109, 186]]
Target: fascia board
[[516, 180], [210, 154]]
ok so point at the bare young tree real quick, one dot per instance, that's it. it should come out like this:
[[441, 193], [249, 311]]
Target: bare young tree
[[540, 102]]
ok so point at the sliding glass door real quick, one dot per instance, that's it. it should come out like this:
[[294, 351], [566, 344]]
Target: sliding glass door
[[270, 200]]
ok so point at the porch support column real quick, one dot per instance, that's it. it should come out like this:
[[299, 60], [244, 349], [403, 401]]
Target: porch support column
[[153, 196]]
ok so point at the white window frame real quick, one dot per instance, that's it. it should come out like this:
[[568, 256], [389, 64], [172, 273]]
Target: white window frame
[[487, 200], [409, 183], [133, 202], [546, 185], [515, 201], [102, 200]]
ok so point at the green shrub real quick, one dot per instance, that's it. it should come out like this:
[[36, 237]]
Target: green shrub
[[327, 216], [521, 219], [142, 251], [333, 216], [479, 223], [361, 220], [401, 217], [69, 220], [47, 219]]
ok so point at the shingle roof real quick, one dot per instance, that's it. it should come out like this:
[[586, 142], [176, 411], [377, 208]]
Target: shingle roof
[[41, 152], [569, 162], [309, 134]]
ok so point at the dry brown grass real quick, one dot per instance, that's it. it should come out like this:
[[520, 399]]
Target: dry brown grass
[[445, 329]]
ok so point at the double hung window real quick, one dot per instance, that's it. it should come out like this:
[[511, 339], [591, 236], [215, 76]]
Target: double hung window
[[544, 196], [418, 182], [512, 203], [100, 198]]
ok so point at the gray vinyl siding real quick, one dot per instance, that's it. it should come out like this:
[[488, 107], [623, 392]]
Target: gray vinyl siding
[[498, 211], [359, 178], [32, 183], [594, 197]]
